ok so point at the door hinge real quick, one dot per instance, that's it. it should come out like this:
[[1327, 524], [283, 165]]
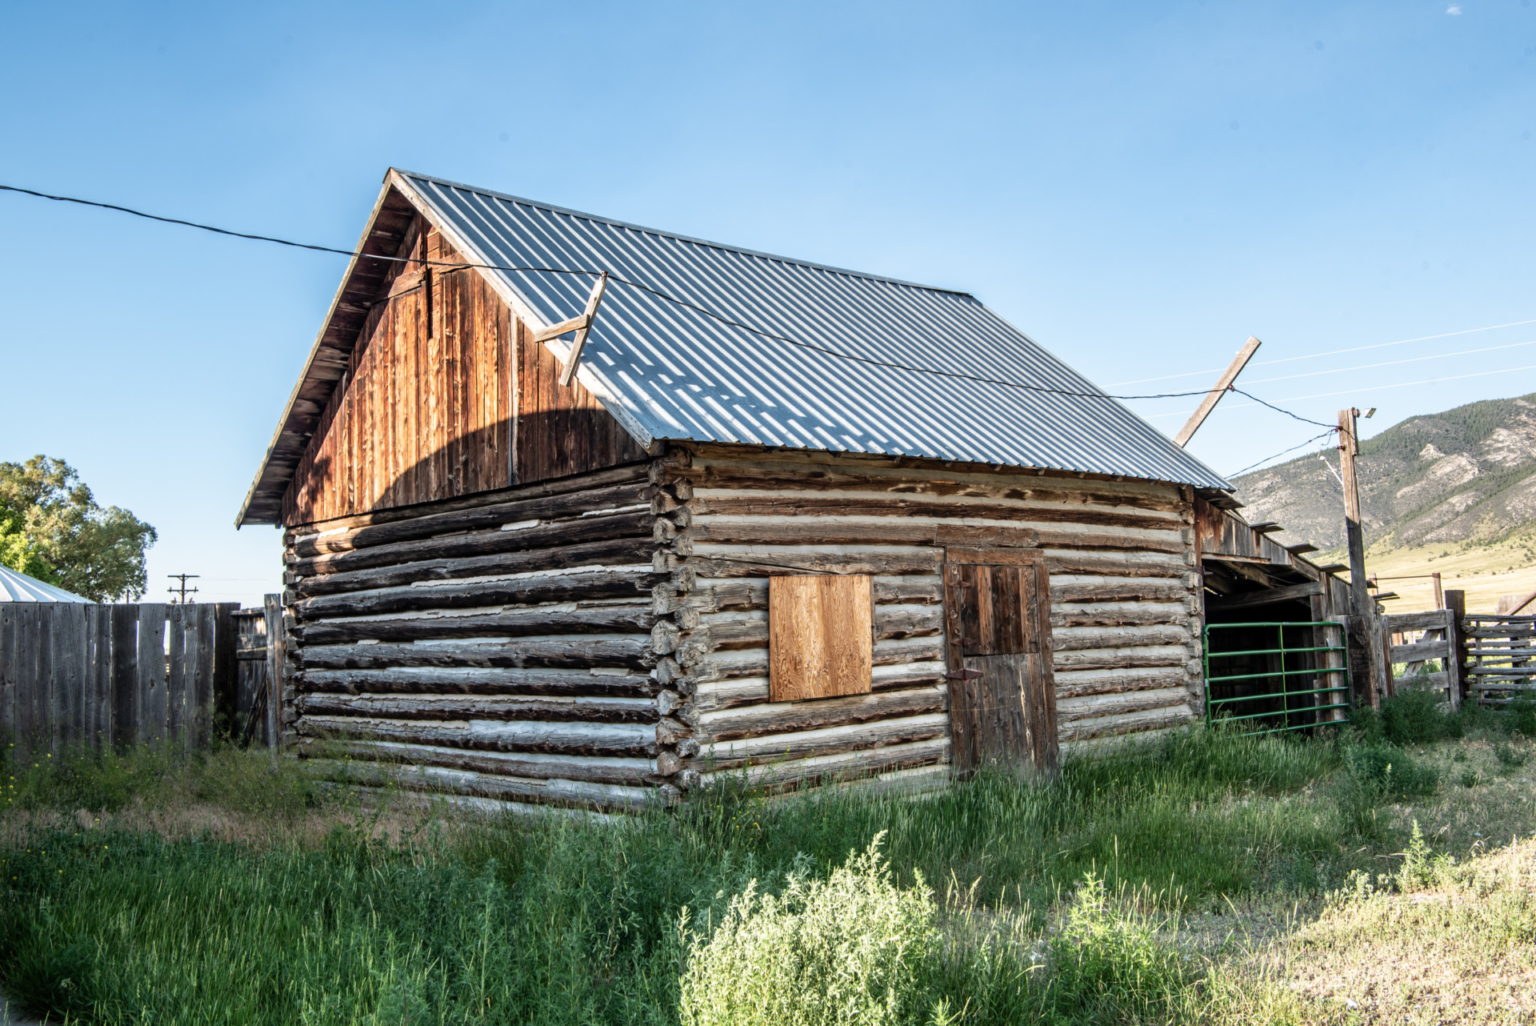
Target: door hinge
[[966, 674]]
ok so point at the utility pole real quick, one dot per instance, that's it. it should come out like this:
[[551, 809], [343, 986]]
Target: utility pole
[[1364, 606], [183, 578]]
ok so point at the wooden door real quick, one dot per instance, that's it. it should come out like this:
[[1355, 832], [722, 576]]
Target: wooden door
[[1002, 693]]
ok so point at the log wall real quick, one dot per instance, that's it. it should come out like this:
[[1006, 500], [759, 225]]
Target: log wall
[[602, 640], [1124, 602], [497, 647]]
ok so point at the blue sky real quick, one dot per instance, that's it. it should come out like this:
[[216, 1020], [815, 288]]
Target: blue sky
[[1137, 186]]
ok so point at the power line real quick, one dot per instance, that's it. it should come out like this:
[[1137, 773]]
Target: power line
[[889, 364], [1272, 406], [616, 278], [1332, 352], [1394, 363], [1287, 452], [1350, 391], [359, 254]]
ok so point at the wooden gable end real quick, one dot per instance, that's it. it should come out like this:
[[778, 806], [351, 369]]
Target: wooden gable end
[[445, 394]]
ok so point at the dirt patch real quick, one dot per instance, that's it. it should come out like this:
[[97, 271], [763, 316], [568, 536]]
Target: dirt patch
[[1460, 951]]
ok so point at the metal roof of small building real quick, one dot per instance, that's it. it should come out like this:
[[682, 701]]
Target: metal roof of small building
[[871, 365], [685, 375], [16, 586]]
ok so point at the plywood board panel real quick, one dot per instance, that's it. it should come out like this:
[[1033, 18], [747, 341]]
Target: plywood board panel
[[820, 637]]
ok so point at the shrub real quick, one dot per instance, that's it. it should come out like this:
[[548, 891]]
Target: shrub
[[1390, 772], [1375, 773], [1109, 965], [845, 950], [1510, 758], [1416, 716], [1520, 715], [1421, 867]]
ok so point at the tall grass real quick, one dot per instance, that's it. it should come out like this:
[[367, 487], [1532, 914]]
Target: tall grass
[[557, 920], [154, 777]]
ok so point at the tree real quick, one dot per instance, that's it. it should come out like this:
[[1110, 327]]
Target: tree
[[19, 552], [52, 529]]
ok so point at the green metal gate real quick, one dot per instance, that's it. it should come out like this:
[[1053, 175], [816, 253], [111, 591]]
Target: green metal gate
[[1326, 703]]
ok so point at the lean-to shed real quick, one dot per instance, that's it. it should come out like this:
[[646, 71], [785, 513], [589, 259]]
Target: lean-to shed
[[784, 520]]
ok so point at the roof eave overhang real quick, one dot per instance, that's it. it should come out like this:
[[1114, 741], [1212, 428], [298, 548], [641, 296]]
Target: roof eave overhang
[[398, 202], [325, 366]]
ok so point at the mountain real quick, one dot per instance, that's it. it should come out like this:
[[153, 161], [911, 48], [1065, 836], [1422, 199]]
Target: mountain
[[1467, 475]]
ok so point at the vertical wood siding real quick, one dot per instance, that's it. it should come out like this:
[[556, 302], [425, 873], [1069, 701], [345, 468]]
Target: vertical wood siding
[[562, 431], [73, 673], [1124, 596], [445, 395]]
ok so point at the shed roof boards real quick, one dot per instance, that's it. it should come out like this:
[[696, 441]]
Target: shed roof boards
[[18, 587], [838, 361]]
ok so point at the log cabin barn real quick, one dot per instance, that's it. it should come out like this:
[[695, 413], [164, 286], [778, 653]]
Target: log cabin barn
[[779, 519]]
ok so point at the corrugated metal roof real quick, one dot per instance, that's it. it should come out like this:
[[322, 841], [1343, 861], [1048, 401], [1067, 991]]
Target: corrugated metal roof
[[676, 373], [18, 587]]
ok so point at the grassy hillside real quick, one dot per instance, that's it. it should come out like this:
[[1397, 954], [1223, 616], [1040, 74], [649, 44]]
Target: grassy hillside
[[1465, 475], [1452, 492]]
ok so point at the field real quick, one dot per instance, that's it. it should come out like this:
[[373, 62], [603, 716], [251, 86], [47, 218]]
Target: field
[[1484, 572], [1386, 874]]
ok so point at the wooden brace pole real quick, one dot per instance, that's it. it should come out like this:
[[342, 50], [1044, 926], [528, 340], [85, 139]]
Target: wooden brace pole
[[582, 325], [1217, 391], [1522, 604]]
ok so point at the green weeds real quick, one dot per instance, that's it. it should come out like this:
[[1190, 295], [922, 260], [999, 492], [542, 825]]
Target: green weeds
[[1509, 757], [157, 777], [1058, 898], [853, 948]]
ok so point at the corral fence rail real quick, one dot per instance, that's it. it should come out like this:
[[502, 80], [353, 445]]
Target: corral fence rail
[[1267, 681], [1418, 641], [1499, 654]]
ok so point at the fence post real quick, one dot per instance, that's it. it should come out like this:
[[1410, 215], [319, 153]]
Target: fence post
[[1456, 635], [276, 654], [1357, 641], [1384, 641]]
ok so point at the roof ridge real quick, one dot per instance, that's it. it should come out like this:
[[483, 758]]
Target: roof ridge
[[677, 236]]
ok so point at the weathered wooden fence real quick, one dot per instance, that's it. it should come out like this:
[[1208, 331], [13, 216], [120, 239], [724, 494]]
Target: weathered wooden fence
[[73, 673], [1417, 639], [1483, 657], [1498, 654]]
